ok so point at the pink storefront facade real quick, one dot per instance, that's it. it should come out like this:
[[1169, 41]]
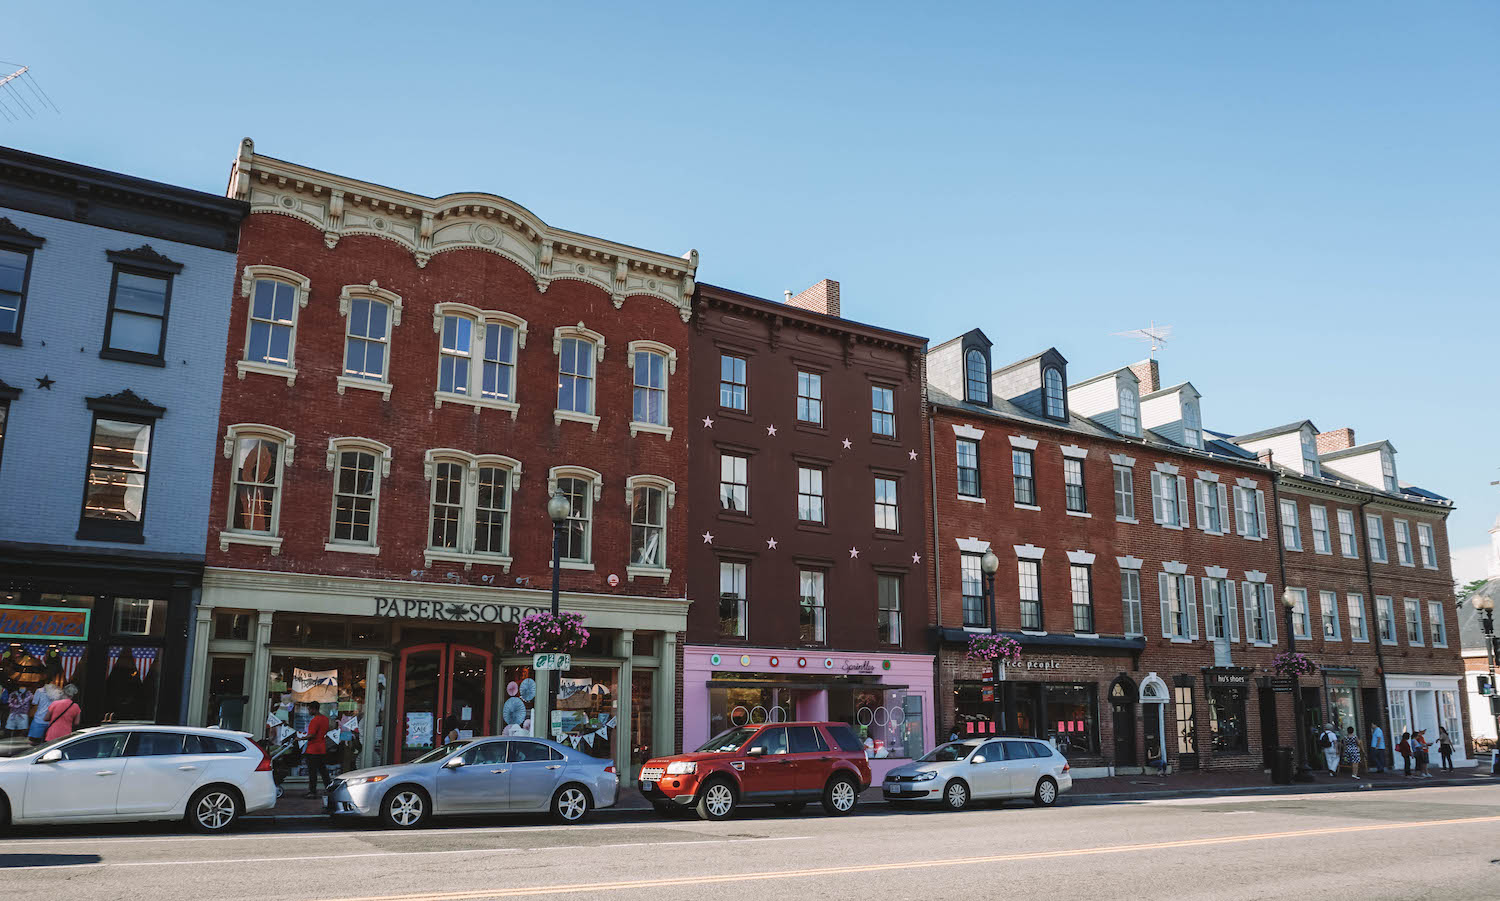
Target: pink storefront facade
[[887, 698]]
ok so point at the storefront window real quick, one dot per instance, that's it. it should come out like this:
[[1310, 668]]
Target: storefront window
[[338, 687], [520, 700], [226, 693], [140, 616], [1226, 719], [1073, 717], [973, 708], [587, 709], [733, 706], [1187, 729], [231, 626], [1343, 709], [1450, 717], [642, 684], [131, 682], [888, 721], [1400, 721]]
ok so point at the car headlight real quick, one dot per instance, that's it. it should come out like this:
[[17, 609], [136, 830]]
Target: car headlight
[[364, 780], [681, 767], [925, 776]]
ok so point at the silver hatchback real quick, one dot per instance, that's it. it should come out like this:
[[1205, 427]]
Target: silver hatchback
[[981, 769], [479, 776]]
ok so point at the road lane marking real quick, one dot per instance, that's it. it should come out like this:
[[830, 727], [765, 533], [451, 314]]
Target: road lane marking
[[577, 888], [234, 860]]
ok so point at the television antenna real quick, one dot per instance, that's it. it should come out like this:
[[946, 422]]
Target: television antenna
[[1156, 334], [16, 103]]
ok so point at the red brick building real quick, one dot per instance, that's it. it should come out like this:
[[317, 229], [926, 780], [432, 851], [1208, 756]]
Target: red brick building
[[808, 567], [408, 380]]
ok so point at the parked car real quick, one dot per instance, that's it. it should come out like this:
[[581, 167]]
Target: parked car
[[111, 774], [980, 769], [478, 776], [787, 764]]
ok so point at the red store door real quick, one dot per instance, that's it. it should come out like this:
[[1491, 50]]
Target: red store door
[[437, 681]]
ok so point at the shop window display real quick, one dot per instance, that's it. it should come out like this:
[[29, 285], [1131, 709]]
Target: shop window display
[[587, 710], [1226, 719], [519, 703], [642, 683], [1073, 718], [887, 720], [338, 686], [730, 706]]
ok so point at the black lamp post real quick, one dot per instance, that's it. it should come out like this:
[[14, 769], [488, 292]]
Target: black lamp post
[[989, 564], [558, 509], [1486, 608], [1304, 772]]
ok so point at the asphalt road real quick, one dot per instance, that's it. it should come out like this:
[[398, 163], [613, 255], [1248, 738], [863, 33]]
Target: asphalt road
[[1437, 842]]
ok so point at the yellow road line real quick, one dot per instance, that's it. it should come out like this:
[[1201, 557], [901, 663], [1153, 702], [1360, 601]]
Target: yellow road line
[[910, 865]]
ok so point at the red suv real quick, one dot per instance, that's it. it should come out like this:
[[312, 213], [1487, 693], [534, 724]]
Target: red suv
[[786, 764]]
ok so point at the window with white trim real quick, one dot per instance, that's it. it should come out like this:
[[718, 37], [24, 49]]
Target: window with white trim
[[1310, 464], [810, 397], [1124, 492], [1403, 542], [1385, 611], [1358, 626], [1220, 612], [1206, 493], [1318, 517], [1301, 621], [1130, 417], [1082, 580], [1022, 471], [276, 296], [1388, 472], [1130, 595], [1437, 623], [1425, 545], [733, 388], [968, 468], [1291, 528], [477, 356], [575, 376], [1074, 494], [1328, 603], [810, 494], [577, 535], [971, 581], [1055, 402], [1192, 425], [887, 507], [370, 313], [649, 499], [1168, 505], [1413, 621], [888, 607], [733, 601], [469, 506], [1375, 532], [1030, 594], [258, 456], [651, 364], [1178, 617], [1260, 613], [358, 465], [1348, 544], [734, 483], [1249, 520], [976, 377], [811, 621], [883, 411]]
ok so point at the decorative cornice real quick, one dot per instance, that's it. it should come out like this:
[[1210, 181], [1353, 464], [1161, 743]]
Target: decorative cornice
[[8, 392], [427, 226], [126, 403], [15, 234], [146, 257]]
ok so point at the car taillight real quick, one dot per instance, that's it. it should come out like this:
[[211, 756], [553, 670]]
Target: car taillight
[[265, 761], [610, 769], [1065, 768]]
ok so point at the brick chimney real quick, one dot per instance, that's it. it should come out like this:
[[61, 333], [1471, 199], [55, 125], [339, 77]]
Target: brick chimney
[[820, 298], [1149, 374], [1336, 440]]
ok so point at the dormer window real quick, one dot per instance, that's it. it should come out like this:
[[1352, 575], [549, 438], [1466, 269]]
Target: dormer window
[[1192, 426], [1388, 472], [1130, 420], [977, 377], [1052, 394], [1310, 455]]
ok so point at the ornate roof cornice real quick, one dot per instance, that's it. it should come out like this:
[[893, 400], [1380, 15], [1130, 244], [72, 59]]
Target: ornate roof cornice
[[428, 226], [15, 234]]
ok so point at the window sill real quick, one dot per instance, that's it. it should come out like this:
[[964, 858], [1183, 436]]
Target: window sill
[[381, 388], [1090, 635], [812, 428], [648, 427], [431, 556], [1176, 640], [1080, 514], [647, 572], [131, 356], [1261, 644], [576, 565], [110, 530], [972, 500], [1295, 549], [1350, 556], [1409, 565], [736, 516], [478, 403], [1128, 520], [1360, 640], [888, 440], [253, 539], [588, 418], [1026, 507], [817, 527], [10, 338], [736, 414], [366, 549], [1252, 537], [287, 372], [1378, 560], [1173, 526], [978, 630], [1033, 632], [1433, 568]]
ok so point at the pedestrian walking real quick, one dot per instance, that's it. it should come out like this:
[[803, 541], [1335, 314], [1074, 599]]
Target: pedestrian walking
[[1403, 748], [1445, 747], [316, 751], [17, 706], [1377, 749], [1328, 741], [1351, 753], [41, 702], [1419, 746], [62, 716]]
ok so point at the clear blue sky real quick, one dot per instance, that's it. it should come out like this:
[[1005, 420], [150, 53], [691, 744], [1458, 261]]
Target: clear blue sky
[[1307, 192]]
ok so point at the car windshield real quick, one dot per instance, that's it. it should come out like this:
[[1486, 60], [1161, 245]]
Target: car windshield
[[731, 740], [444, 751], [23, 748], [952, 751]]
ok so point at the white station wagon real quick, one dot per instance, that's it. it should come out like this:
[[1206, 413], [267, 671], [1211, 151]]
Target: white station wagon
[[979, 769], [115, 774]]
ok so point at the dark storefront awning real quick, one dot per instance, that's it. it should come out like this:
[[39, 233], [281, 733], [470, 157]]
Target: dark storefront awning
[[1077, 643]]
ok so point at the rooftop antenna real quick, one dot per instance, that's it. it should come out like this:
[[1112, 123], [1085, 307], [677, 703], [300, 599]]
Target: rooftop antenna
[[1156, 334], [14, 102]]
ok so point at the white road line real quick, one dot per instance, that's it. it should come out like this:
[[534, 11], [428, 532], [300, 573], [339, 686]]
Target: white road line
[[238, 860]]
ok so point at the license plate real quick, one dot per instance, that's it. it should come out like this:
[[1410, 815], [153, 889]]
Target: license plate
[[648, 786]]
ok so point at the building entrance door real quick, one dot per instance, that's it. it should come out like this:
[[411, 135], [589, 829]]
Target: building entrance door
[[438, 681], [1269, 739]]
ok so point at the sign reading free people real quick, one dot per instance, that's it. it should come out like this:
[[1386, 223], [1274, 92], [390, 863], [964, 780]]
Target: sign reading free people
[[57, 623]]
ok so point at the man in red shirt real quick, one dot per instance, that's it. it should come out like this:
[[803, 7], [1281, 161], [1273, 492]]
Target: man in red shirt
[[317, 747]]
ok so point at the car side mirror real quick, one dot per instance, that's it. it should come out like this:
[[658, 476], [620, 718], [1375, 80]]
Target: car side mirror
[[756, 751], [455, 763], [977, 758], [52, 756]]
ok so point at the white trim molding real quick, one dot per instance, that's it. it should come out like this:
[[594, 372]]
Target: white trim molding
[[574, 472], [1254, 575], [1175, 568], [972, 545], [1028, 551], [1074, 451], [643, 481], [473, 462], [1216, 572], [1122, 460], [1022, 442], [372, 291], [1245, 483], [1129, 562], [1080, 557], [578, 331], [253, 429], [1167, 468], [640, 346], [1206, 476], [302, 289], [967, 431]]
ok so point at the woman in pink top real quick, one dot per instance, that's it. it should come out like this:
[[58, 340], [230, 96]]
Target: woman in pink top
[[62, 716]]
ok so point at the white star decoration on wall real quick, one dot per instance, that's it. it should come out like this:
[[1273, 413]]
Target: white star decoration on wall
[[846, 444], [708, 423], [912, 454], [708, 538], [916, 558], [771, 430], [853, 553], [771, 544]]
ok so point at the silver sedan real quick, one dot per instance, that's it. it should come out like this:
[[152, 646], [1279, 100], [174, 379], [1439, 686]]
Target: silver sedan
[[982, 769], [482, 775]]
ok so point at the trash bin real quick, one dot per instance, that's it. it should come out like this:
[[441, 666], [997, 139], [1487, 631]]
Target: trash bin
[[1282, 766]]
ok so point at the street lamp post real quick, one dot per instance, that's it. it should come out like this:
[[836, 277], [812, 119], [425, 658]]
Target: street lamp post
[[558, 509], [1486, 608], [1304, 772], [989, 564]]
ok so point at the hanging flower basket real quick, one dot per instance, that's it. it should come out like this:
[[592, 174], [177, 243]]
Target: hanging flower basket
[[1293, 663], [994, 647], [546, 633]]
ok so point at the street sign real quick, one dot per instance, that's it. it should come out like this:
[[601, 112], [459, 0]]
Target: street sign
[[551, 662], [1283, 683]]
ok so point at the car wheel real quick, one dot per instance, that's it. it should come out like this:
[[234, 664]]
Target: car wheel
[[840, 797], [956, 795], [718, 801], [1046, 792], [570, 804], [792, 807], [4, 813], [405, 807], [213, 808]]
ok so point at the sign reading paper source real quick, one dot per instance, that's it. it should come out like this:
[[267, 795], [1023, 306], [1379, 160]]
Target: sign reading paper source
[[551, 661]]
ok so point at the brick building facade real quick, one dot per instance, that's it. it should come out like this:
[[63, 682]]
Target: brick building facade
[[407, 381]]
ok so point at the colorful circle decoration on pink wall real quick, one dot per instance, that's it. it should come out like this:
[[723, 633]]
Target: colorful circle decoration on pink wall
[[828, 663], [744, 660], [802, 661], [716, 660], [775, 661], [885, 664]]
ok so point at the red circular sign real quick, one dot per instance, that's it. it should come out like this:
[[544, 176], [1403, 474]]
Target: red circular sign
[[802, 661], [613, 580]]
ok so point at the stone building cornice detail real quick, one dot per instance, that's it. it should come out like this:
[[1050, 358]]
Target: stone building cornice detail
[[427, 226]]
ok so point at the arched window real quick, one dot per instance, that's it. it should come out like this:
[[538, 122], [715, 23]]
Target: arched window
[[578, 350], [581, 486], [258, 456], [649, 497], [977, 373], [469, 506], [1130, 422], [275, 296], [358, 465], [477, 356], [1052, 391], [371, 312]]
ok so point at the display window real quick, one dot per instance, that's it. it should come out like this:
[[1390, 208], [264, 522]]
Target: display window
[[338, 686], [1226, 719], [887, 720], [1073, 717], [587, 710], [519, 703], [730, 706], [1343, 709], [642, 690]]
